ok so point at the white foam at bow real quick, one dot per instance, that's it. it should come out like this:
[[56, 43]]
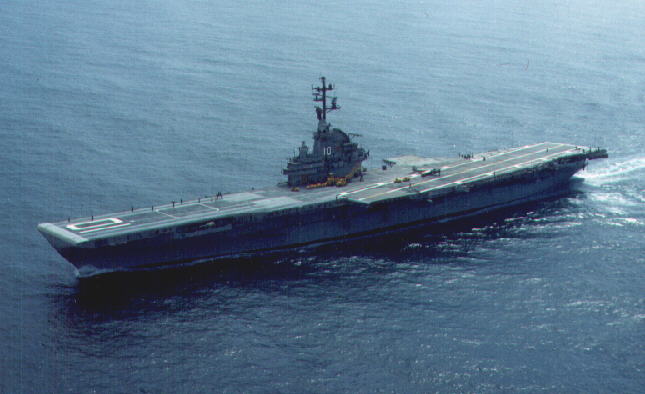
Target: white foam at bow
[[613, 172]]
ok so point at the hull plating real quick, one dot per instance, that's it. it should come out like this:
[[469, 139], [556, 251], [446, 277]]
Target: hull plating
[[297, 227]]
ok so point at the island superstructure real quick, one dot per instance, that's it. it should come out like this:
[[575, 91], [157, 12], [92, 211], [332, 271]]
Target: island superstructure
[[334, 155], [328, 196]]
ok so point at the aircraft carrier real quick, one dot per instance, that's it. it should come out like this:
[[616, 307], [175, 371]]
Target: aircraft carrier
[[328, 196]]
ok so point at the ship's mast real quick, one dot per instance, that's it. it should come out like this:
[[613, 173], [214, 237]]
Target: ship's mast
[[320, 96]]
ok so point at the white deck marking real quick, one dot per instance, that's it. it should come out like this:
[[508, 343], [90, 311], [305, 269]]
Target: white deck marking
[[373, 186], [519, 165], [472, 178], [105, 228], [93, 224], [377, 185], [469, 162], [167, 214], [206, 206], [442, 168], [496, 171]]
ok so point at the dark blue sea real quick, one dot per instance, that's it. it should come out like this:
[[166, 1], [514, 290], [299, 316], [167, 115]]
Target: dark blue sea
[[106, 105]]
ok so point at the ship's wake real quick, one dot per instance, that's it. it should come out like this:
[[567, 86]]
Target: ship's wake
[[614, 172], [617, 190]]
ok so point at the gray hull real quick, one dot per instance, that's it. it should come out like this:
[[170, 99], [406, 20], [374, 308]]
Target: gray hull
[[313, 225], [280, 221]]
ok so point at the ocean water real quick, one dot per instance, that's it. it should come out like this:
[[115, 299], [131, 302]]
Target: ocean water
[[110, 104]]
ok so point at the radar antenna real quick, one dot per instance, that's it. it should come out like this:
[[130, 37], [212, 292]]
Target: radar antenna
[[320, 96]]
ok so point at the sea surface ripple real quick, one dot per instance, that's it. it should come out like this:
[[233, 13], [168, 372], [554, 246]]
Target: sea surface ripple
[[106, 105]]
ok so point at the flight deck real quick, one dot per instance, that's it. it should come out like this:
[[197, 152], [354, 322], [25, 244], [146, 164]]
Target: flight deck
[[396, 181]]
